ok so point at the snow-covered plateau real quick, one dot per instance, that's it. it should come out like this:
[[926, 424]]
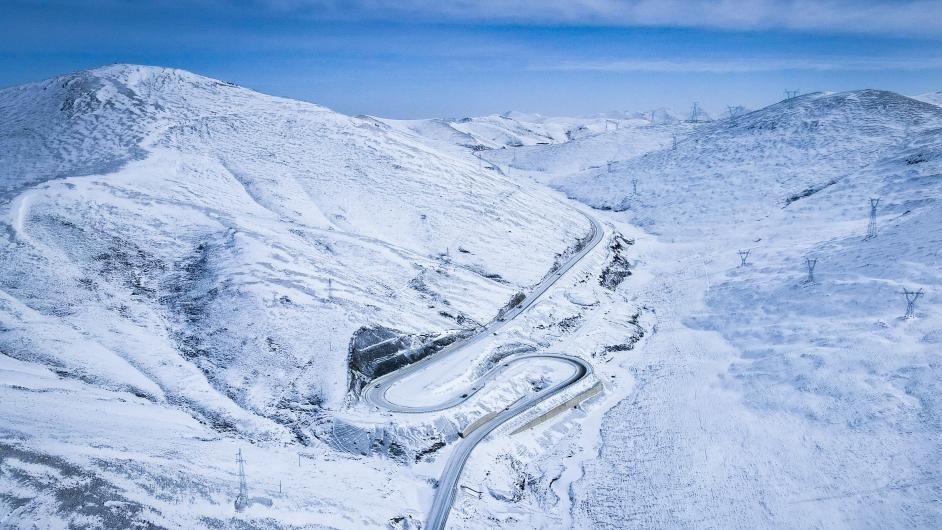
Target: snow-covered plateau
[[191, 270]]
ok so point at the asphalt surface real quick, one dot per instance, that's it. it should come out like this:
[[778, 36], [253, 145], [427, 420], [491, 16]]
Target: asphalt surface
[[376, 392]]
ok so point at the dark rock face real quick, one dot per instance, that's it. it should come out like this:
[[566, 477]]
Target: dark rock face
[[619, 268], [377, 351]]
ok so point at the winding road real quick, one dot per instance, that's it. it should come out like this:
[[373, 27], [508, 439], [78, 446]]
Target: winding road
[[377, 392]]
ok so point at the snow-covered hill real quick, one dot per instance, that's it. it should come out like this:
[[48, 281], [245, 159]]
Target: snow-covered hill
[[737, 170], [206, 252], [765, 400], [932, 97], [516, 129], [186, 264]]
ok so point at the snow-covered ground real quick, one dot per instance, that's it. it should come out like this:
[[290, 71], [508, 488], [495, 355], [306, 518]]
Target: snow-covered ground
[[931, 97], [762, 400], [177, 247], [186, 262]]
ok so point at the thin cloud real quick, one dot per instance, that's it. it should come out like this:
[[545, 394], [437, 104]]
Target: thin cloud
[[743, 65], [902, 17]]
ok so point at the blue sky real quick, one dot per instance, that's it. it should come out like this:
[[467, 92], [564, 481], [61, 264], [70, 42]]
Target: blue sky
[[417, 58]]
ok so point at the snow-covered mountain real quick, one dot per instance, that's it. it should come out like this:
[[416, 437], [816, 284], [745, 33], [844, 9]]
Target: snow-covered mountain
[[191, 269], [735, 170], [197, 248], [517, 129], [794, 403]]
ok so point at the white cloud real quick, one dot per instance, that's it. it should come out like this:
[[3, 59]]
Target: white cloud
[[744, 65], [902, 17]]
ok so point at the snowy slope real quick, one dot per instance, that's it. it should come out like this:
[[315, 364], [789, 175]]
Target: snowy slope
[[516, 129], [548, 163], [762, 400], [932, 97], [185, 261], [737, 170], [199, 248], [551, 147]]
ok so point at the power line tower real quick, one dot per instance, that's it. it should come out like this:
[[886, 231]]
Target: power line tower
[[789, 94], [744, 257], [695, 113], [242, 500], [911, 297], [872, 225], [634, 186], [810, 262], [674, 136], [735, 110]]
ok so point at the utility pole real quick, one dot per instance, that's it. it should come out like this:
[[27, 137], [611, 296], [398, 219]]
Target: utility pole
[[872, 226], [674, 136], [330, 289], [634, 185], [608, 166], [911, 297]]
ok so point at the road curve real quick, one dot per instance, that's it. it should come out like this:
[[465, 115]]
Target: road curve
[[448, 482], [376, 392]]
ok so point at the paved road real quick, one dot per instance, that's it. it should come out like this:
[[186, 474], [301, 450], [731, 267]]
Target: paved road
[[376, 392]]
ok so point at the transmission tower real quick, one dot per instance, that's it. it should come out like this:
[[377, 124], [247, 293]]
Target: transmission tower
[[789, 94], [911, 297], [634, 186], [695, 113], [242, 500], [744, 257], [810, 263], [674, 136], [872, 226]]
